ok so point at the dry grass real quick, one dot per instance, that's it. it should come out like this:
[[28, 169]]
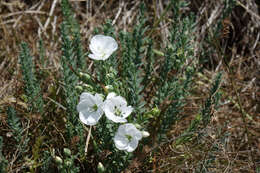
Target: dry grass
[[231, 143]]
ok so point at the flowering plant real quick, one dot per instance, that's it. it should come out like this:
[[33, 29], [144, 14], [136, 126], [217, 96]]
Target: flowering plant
[[90, 108], [102, 47], [116, 109], [127, 137]]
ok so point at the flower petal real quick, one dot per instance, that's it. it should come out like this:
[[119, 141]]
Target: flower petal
[[121, 142], [87, 114], [85, 105], [98, 99], [121, 139], [132, 145], [89, 118], [96, 43], [115, 108], [111, 116], [84, 96], [102, 47], [127, 111], [111, 95]]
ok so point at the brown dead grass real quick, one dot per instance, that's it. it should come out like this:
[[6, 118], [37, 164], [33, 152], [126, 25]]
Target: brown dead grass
[[231, 143]]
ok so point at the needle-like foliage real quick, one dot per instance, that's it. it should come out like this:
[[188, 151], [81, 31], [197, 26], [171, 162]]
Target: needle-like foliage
[[32, 86]]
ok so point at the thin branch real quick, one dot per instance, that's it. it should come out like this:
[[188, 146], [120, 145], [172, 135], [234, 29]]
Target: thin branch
[[87, 141]]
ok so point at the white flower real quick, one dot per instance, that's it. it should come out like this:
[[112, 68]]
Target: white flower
[[116, 109], [102, 47], [145, 134], [127, 137], [90, 108]]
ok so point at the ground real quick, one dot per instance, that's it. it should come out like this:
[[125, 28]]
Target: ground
[[230, 143]]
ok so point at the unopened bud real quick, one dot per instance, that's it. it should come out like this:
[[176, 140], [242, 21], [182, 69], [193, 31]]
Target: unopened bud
[[112, 70], [111, 75], [100, 168], [109, 88], [145, 134], [58, 160], [155, 111], [84, 76], [190, 69], [68, 163], [149, 115], [138, 126], [79, 88], [67, 152], [87, 87]]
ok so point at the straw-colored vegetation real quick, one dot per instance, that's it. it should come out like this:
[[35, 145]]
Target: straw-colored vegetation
[[226, 39]]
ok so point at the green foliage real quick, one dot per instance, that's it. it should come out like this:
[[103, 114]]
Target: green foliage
[[70, 78], [257, 169], [156, 83], [131, 61], [150, 60], [125, 77], [32, 86], [3, 161], [72, 62], [69, 20], [212, 102], [46, 162], [134, 72], [73, 27], [206, 113], [15, 124], [116, 160], [66, 165], [18, 132], [173, 89], [36, 153]]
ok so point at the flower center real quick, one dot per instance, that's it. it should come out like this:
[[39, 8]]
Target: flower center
[[129, 137], [94, 108], [102, 52], [118, 112]]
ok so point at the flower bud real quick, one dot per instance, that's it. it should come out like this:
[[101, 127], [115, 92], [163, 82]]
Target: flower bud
[[111, 75], [67, 152], [58, 160], [95, 145], [137, 126], [87, 87], [100, 168], [68, 163], [178, 61], [149, 115], [145, 134], [79, 88], [190, 69], [180, 52], [51, 89], [84, 76], [112, 71], [109, 88], [155, 111]]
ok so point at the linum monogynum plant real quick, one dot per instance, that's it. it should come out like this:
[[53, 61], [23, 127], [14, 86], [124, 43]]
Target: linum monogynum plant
[[91, 107], [32, 85]]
